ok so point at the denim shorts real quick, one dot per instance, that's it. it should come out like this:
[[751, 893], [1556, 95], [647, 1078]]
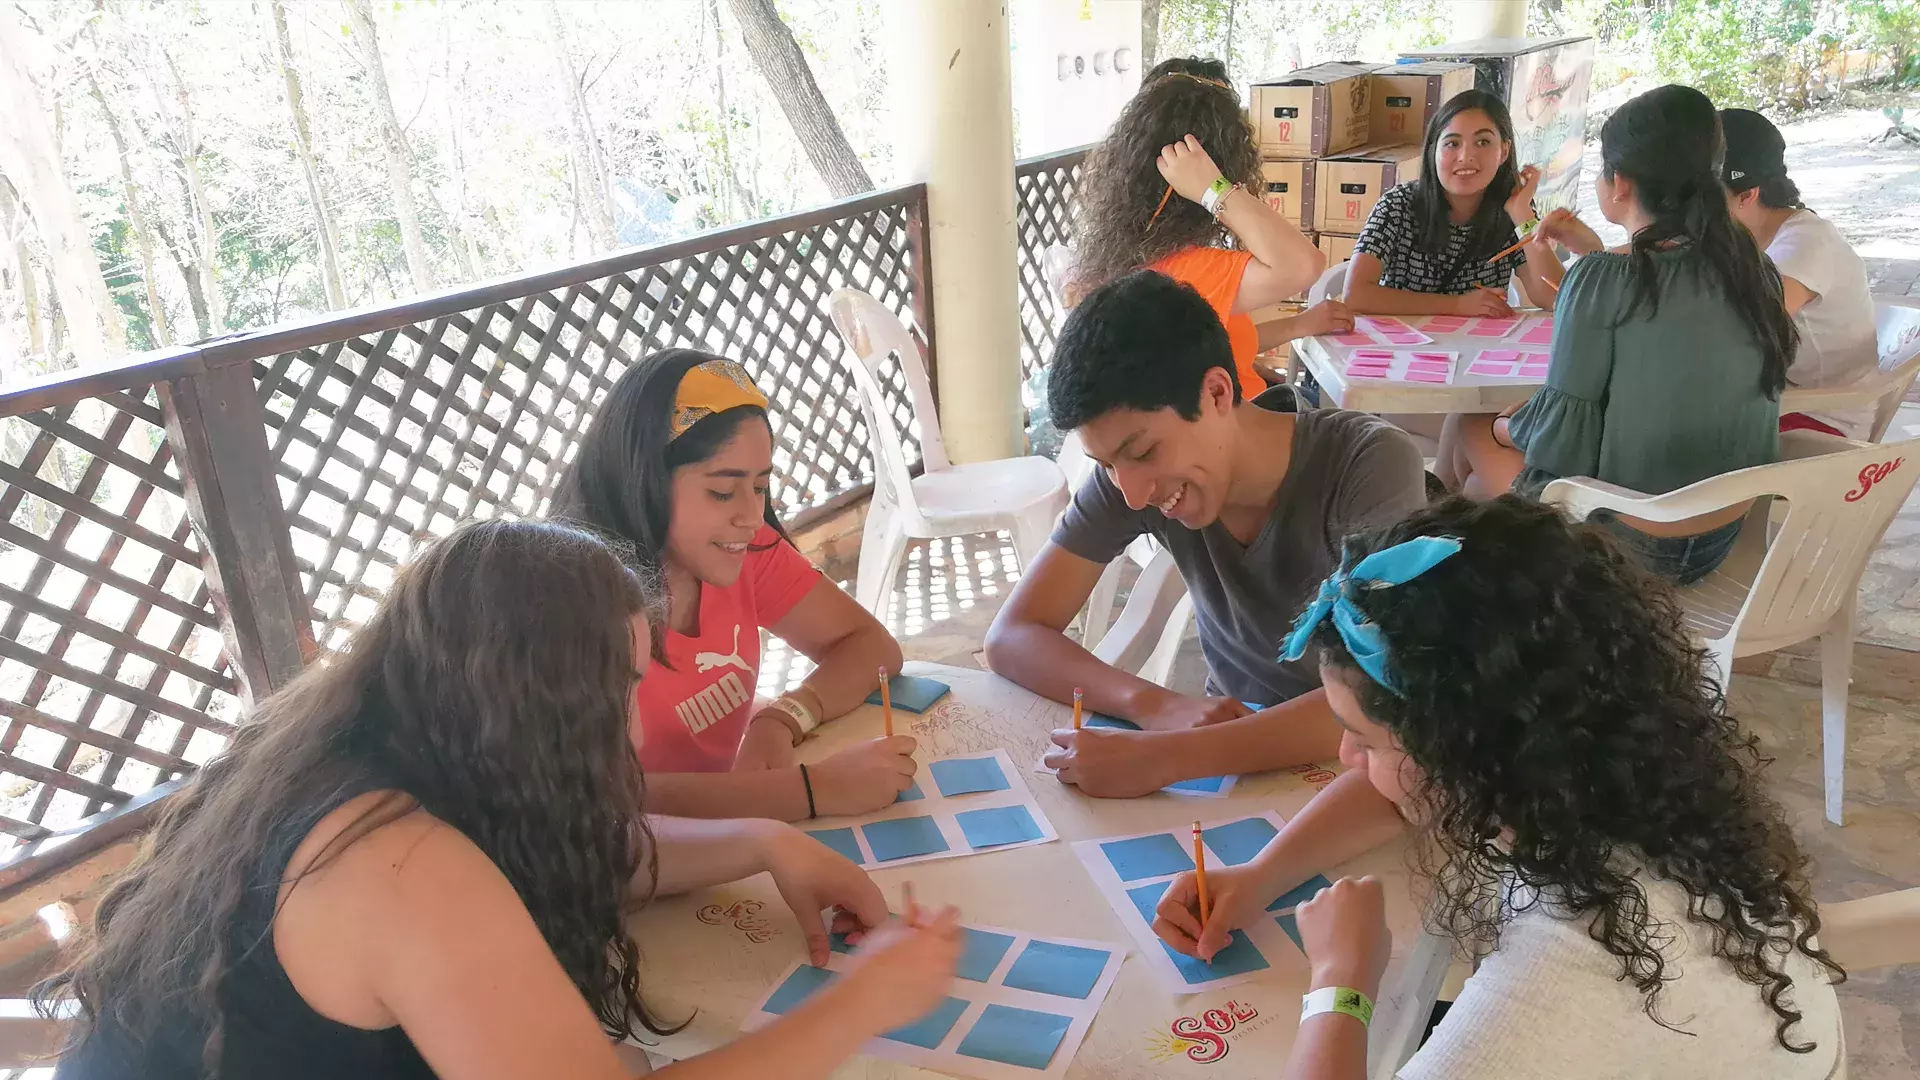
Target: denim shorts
[[1682, 560]]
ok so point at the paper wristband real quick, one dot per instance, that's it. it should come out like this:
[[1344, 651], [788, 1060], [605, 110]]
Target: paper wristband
[[803, 719], [1210, 199], [1338, 999]]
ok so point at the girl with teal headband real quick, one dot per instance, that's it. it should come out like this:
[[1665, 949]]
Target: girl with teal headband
[[1528, 701]]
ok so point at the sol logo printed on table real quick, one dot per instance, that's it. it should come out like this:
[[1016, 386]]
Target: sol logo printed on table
[[1204, 1038], [745, 917], [1871, 474]]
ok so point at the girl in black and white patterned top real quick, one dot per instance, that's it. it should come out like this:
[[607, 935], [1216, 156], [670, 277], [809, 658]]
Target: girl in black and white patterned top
[[1427, 247]]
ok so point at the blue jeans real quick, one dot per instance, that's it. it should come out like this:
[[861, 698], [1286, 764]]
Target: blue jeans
[[1682, 560]]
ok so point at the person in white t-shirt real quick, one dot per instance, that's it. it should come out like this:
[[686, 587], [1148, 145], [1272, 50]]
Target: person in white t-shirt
[[1587, 817], [1825, 282]]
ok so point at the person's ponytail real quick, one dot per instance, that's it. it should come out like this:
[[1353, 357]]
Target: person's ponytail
[[1668, 142]]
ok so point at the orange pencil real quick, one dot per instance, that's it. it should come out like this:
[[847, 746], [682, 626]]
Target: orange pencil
[[886, 703], [1076, 708], [1504, 252], [1200, 873], [911, 914]]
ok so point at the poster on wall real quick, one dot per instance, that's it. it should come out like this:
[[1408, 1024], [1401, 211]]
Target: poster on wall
[[1544, 83]]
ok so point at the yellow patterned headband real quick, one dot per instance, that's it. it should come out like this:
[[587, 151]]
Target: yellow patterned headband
[[712, 387]]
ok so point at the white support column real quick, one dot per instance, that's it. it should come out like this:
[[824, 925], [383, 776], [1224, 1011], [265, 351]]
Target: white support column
[[1489, 19], [953, 96]]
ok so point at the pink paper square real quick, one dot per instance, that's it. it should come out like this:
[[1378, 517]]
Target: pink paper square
[[1367, 372], [1445, 324], [1383, 323], [1533, 371], [1353, 339], [1541, 334], [1500, 354], [1445, 358], [1383, 355], [1497, 368], [1408, 339], [1429, 365], [1426, 376]]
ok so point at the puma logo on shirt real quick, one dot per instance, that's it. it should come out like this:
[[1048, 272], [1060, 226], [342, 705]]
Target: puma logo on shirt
[[707, 661], [712, 704]]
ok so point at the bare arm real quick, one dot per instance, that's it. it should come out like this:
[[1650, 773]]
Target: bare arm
[[845, 640], [1285, 263], [1797, 295], [1347, 819], [1326, 317], [1028, 640], [1295, 732], [1541, 276], [756, 793], [698, 854], [1367, 296]]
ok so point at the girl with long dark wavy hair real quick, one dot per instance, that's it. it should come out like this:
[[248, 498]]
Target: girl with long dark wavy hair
[[1586, 813], [1170, 187], [677, 468], [415, 860], [1428, 247], [1668, 355]]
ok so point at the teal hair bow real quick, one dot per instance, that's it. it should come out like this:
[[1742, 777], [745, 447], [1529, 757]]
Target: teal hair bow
[[1385, 568]]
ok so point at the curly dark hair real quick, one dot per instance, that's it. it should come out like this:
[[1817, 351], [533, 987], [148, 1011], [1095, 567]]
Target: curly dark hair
[[1574, 710], [1121, 188], [490, 689]]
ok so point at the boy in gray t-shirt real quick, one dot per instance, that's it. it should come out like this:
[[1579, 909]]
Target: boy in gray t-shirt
[[1250, 501]]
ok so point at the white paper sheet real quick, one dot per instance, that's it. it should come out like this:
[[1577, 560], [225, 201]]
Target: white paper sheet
[[945, 1056], [1267, 940], [851, 837]]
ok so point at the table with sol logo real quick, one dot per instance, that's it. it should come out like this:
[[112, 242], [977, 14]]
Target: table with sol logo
[[716, 952]]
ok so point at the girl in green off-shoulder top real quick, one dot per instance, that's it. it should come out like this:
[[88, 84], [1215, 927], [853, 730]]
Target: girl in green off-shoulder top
[[1668, 355]]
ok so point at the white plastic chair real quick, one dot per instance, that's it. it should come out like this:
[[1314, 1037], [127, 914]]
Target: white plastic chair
[[1800, 582], [1896, 325], [1020, 495], [1332, 283], [1146, 638]]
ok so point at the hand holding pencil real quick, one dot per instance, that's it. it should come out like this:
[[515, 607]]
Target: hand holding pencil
[[1236, 898]]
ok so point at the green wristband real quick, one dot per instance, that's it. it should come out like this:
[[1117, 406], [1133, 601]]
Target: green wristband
[[1338, 999]]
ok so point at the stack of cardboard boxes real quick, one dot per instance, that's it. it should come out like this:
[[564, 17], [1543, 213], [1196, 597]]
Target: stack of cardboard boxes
[[1333, 137]]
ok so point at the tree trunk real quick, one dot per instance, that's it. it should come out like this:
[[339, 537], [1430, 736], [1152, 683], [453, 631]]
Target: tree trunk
[[1149, 35], [188, 136], [399, 170], [591, 183], [189, 276], [784, 66], [30, 158], [136, 216], [13, 231], [281, 45], [731, 185]]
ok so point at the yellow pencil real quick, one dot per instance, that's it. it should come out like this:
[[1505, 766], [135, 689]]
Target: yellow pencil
[[886, 703], [1200, 873], [910, 913], [1506, 251], [1076, 708]]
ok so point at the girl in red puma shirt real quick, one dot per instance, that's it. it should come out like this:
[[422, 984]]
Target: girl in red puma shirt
[[677, 465]]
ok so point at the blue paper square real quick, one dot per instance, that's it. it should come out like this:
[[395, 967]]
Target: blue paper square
[[911, 692], [1048, 967], [838, 943], [912, 794], [1206, 785], [799, 987], [1147, 856], [1103, 720], [1146, 898], [1238, 842], [1300, 893], [840, 840], [1292, 927], [930, 1029], [1016, 1036], [981, 954], [903, 838], [998, 826], [1239, 957], [965, 776]]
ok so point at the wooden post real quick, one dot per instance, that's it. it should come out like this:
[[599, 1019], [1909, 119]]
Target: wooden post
[[920, 250], [218, 432]]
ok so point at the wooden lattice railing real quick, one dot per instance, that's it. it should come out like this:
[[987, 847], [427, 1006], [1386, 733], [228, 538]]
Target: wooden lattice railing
[[178, 532], [1043, 189]]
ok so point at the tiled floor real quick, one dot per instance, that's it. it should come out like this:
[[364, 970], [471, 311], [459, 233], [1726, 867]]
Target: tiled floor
[[948, 593]]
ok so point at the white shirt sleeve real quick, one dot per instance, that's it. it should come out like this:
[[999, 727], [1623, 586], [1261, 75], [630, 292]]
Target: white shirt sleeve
[[1803, 251]]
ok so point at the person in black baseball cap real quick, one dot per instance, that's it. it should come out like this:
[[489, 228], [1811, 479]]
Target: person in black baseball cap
[[1823, 280]]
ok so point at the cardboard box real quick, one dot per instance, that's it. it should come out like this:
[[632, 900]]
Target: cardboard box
[[1290, 190], [1312, 112], [1339, 248], [1347, 187], [1405, 97]]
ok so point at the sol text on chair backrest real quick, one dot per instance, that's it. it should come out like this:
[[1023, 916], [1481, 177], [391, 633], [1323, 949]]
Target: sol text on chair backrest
[[1838, 507]]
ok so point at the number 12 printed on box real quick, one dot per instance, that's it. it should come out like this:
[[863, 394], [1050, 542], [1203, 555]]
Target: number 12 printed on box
[[1133, 872], [1019, 1009], [957, 806]]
